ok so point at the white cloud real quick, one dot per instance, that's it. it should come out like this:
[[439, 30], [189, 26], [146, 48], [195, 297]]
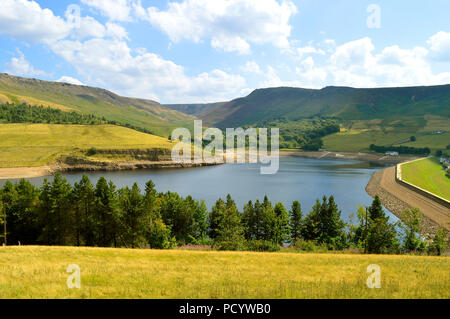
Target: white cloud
[[300, 52], [224, 21], [70, 80], [27, 20], [251, 67], [309, 75], [440, 45], [20, 66], [230, 44], [117, 10], [112, 64], [355, 64]]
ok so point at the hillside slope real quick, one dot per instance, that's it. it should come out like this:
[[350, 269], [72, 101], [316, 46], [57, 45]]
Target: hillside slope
[[137, 112], [198, 110], [340, 102], [28, 145]]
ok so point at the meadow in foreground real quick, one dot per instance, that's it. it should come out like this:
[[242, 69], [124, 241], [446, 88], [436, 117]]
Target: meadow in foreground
[[40, 272]]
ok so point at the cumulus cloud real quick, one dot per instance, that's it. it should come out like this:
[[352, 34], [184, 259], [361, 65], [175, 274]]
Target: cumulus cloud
[[20, 66], [112, 64], [26, 20], [117, 10], [232, 25], [440, 45], [251, 67], [70, 80], [355, 64]]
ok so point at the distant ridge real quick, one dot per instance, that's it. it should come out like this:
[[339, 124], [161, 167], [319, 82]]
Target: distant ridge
[[100, 102]]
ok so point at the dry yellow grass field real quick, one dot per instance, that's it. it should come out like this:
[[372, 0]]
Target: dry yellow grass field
[[25, 145], [40, 272]]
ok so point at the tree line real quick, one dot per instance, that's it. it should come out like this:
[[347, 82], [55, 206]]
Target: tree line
[[400, 149], [102, 215], [24, 113]]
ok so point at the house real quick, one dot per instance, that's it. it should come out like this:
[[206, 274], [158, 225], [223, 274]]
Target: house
[[392, 153]]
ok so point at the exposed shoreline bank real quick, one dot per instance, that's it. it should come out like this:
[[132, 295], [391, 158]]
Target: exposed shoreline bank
[[48, 170], [376, 158], [85, 165], [397, 198]]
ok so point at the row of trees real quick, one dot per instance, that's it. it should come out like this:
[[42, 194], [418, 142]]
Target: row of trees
[[58, 213], [400, 149], [24, 113]]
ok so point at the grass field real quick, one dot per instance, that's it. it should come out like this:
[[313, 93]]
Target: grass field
[[429, 175], [40, 272], [360, 140], [24, 145]]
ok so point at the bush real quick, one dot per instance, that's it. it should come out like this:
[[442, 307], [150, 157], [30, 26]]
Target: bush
[[159, 237], [229, 245], [439, 243], [261, 245], [92, 151], [310, 246]]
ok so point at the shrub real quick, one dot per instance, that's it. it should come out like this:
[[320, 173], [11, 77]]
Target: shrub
[[310, 246], [92, 151], [261, 245]]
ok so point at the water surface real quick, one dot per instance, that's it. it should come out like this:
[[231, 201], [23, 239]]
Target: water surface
[[301, 179]]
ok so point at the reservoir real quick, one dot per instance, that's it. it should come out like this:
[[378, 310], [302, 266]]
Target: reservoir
[[298, 178]]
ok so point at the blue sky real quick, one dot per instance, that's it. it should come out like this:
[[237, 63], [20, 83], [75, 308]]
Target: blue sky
[[206, 51]]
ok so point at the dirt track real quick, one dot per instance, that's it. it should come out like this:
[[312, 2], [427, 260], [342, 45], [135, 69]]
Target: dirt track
[[397, 198]]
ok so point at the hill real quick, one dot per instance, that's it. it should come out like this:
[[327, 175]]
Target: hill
[[40, 272], [344, 103], [197, 110], [142, 113], [391, 115], [27, 145]]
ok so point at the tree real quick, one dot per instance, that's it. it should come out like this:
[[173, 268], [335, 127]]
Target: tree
[[381, 235], [439, 243], [23, 222], [249, 221], [109, 225], [230, 234], [282, 228], [131, 204], [215, 218], [324, 225], [57, 211], [83, 197], [412, 221], [296, 221], [413, 139]]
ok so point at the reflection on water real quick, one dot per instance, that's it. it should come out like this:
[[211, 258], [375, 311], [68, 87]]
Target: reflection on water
[[298, 178]]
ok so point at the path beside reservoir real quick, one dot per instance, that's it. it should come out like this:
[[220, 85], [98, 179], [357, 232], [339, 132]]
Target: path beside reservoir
[[398, 198]]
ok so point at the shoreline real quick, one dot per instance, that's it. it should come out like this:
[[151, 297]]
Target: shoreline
[[368, 157], [48, 170], [79, 165], [397, 198]]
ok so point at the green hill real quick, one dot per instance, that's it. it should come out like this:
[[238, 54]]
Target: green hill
[[198, 110], [339, 102], [390, 115], [141, 113]]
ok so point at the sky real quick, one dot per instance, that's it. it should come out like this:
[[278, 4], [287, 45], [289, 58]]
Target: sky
[[198, 51]]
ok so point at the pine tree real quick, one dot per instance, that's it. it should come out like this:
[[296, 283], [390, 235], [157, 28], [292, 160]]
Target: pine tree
[[230, 234], [282, 228], [83, 197], [296, 221]]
